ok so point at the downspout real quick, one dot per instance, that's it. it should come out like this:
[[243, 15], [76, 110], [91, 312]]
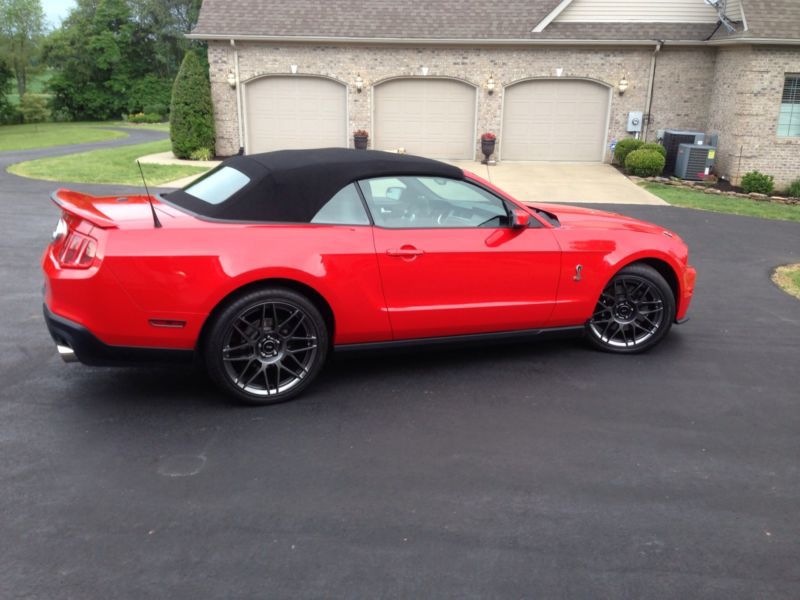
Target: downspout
[[649, 102], [238, 96]]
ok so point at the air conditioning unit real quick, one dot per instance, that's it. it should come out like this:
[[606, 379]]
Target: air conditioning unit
[[674, 138], [695, 161]]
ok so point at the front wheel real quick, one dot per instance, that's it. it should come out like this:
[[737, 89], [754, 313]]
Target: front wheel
[[266, 346], [634, 312]]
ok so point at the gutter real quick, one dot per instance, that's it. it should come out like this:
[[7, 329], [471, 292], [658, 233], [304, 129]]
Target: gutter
[[649, 102], [487, 42], [239, 119]]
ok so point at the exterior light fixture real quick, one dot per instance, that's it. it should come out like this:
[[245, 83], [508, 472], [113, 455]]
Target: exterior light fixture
[[424, 70], [490, 85], [359, 84], [559, 72], [232, 79], [293, 68], [622, 86]]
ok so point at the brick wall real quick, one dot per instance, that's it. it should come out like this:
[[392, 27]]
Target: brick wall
[[474, 65], [745, 103], [734, 91]]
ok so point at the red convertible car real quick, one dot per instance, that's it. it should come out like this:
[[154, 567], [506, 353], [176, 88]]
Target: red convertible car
[[267, 263]]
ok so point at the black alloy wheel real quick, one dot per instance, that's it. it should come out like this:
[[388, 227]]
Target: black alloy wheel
[[267, 346], [634, 312]]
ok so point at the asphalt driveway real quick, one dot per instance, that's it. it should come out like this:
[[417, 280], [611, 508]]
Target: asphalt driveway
[[539, 470]]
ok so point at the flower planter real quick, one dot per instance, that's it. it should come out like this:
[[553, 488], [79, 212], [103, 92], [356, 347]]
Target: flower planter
[[487, 147], [360, 142]]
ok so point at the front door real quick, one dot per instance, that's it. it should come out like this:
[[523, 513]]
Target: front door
[[451, 264]]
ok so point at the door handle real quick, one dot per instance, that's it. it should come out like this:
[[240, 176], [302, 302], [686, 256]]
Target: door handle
[[405, 251]]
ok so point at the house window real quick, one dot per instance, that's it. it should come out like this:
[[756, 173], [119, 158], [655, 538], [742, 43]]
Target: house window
[[789, 119]]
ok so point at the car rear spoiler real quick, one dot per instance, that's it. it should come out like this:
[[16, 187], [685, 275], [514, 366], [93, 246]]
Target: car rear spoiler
[[81, 205]]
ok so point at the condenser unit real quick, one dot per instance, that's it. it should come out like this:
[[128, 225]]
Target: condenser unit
[[695, 161], [674, 138]]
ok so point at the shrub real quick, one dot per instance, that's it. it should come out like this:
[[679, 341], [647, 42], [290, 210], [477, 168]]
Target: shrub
[[144, 118], [156, 109], [149, 95], [202, 154], [645, 163], [191, 115], [34, 108], [758, 183], [657, 147], [625, 147], [794, 189]]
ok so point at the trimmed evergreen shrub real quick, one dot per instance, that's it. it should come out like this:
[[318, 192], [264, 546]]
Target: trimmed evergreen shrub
[[757, 183], [625, 147], [191, 115], [657, 147], [645, 163], [794, 189]]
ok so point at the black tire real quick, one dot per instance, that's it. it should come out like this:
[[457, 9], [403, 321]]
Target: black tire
[[266, 346], [634, 312]]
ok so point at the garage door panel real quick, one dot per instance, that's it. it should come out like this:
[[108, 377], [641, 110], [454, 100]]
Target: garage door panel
[[431, 117], [555, 120], [295, 112]]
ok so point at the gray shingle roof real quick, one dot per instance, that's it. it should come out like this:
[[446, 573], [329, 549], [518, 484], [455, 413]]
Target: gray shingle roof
[[462, 20]]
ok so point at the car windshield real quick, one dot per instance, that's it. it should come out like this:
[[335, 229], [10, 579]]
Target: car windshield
[[218, 185]]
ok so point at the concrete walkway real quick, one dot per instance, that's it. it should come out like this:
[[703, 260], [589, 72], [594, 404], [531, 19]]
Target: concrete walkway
[[563, 182]]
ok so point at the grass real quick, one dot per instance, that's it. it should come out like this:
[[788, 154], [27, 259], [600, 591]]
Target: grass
[[724, 204], [115, 165], [46, 135], [154, 126], [787, 278]]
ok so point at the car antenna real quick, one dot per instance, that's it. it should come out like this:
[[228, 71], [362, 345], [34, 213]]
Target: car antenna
[[156, 222]]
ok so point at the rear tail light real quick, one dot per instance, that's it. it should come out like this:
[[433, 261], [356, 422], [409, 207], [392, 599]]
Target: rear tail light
[[78, 251]]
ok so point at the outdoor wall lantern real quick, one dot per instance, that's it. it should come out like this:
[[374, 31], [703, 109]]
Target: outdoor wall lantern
[[232, 79], [359, 84], [490, 85], [622, 86], [293, 68], [424, 71]]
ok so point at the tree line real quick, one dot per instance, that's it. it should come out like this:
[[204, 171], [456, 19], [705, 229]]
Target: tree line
[[107, 59]]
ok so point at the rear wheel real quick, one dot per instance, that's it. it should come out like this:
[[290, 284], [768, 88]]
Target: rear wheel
[[634, 312], [267, 346]]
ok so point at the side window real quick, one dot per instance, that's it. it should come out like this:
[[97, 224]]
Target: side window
[[789, 118], [345, 208], [432, 202]]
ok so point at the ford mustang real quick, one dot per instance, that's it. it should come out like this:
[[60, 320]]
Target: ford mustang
[[264, 265]]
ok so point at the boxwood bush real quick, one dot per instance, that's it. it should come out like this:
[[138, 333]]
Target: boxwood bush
[[645, 163], [191, 116], [625, 147], [757, 183], [794, 189], [657, 147]]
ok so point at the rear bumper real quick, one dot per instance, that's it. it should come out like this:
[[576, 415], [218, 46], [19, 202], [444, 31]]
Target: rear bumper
[[76, 343]]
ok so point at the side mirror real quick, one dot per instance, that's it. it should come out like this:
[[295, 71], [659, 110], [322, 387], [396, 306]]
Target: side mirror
[[519, 219]]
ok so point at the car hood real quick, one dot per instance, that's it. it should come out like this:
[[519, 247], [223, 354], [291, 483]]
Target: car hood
[[575, 217]]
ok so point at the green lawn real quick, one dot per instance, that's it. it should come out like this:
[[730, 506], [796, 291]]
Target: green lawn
[[738, 206], [46, 135], [37, 84], [154, 126], [788, 278], [115, 165]]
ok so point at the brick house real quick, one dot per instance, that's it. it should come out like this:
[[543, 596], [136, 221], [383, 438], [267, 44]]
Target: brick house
[[554, 79]]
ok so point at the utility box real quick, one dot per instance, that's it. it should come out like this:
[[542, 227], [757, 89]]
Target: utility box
[[694, 161], [635, 122], [673, 138]]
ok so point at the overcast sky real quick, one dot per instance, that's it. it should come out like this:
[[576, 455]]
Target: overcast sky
[[55, 10]]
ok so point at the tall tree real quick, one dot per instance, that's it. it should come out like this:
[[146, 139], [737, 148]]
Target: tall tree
[[21, 29]]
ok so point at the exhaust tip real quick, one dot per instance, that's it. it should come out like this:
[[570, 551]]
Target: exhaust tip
[[66, 353]]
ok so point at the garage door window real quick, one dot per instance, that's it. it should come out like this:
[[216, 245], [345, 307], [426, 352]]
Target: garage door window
[[432, 202], [789, 120]]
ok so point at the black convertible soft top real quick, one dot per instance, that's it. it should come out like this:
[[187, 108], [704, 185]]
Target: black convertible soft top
[[292, 185]]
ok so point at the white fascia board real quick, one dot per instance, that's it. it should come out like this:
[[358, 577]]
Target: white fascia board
[[550, 17]]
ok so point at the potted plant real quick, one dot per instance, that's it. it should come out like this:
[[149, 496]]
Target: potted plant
[[488, 141], [360, 139]]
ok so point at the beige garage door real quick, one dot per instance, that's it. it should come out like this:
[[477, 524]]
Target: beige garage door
[[429, 117], [555, 120], [294, 112]]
